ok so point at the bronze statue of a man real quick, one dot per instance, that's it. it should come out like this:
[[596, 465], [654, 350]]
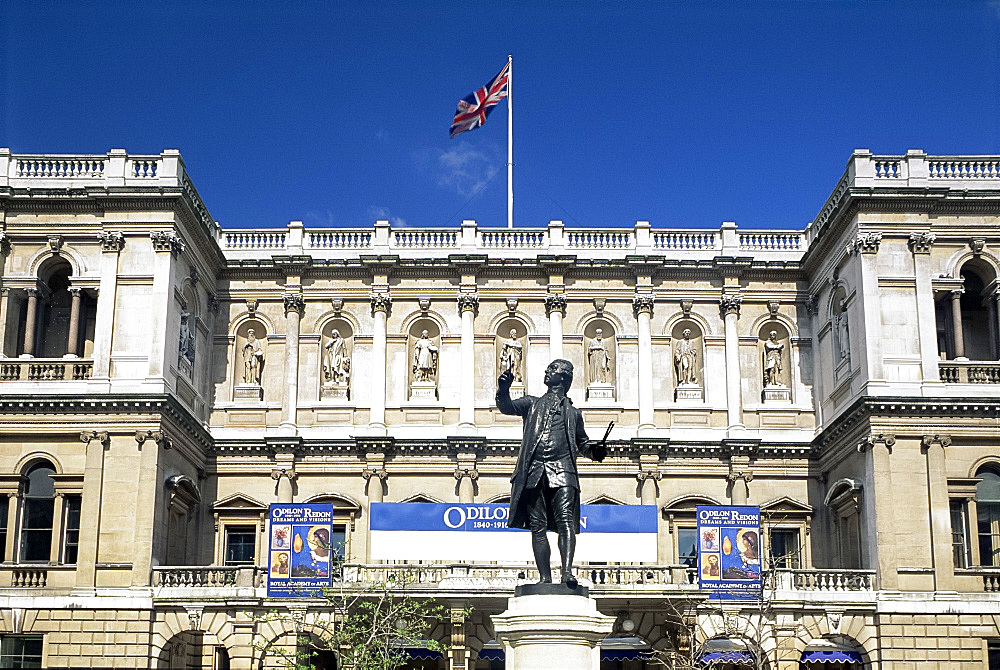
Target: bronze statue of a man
[[545, 489]]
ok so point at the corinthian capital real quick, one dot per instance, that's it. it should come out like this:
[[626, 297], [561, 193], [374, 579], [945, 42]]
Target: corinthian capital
[[111, 240], [468, 301], [730, 304], [920, 243], [167, 240], [864, 243], [293, 302], [555, 301], [642, 303], [381, 302]]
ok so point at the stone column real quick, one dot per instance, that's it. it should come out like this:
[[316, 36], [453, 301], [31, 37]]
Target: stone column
[[869, 342], [457, 651], [5, 334], [555, 309], [112, 243], [879, 514], [73, 340], [284, 477], [920, 247], [294, 306], [30, 324], [730, 307], [956, 322], [90, 507], [937, 489], [468, 305], [466, 474], [167, 246], [647, 486], [381, 305], [58, 521], [149, 443], [740, 481], [995, 302], [642, 306]]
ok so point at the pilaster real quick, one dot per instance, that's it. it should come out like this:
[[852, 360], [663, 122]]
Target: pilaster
[[112, 244], [149, 443], [940, 511], [381, 304], [167, 245], [642, 307], [294, 304], [729, 305], [90, 507], [879, 501]]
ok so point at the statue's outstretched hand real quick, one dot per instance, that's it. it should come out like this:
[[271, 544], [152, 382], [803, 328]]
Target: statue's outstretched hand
[[505, 379], [599, 452]]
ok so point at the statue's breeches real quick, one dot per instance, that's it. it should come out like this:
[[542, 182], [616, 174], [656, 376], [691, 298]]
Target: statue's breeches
[[548, 508]]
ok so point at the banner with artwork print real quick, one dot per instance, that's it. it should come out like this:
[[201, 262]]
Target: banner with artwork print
[[300, 550], [729, 552]]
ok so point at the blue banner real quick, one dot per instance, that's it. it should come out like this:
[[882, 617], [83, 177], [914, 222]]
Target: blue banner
[[490, 517], [300, 550], [729, 552]]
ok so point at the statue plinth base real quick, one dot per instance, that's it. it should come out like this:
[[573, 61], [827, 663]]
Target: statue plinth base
[[550, 626], [516, 390], [248, 392], [423, 391], [600, 391], [689, 392], [335, 391], [776, 394]]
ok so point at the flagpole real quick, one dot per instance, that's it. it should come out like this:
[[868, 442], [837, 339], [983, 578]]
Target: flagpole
[[510, 142]]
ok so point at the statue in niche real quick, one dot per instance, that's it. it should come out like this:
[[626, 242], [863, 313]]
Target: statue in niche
[[511, 355], [686, 359], [336, 362], [842, 332], [425, 359], [600, 359], [772, 360], [185, 346], [253, 359]]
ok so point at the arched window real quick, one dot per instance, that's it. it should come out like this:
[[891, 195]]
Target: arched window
[[988, 516], [37, 513], [967, 316], [55, 317]]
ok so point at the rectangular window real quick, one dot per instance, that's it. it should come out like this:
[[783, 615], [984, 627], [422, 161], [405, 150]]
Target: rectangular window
[[960, 534], [21, 651], [71, 531], [993, 654], [36, 531], [786, 552], [339, 541], [4, 506], [989, 533], [687, 546], [241, 543]]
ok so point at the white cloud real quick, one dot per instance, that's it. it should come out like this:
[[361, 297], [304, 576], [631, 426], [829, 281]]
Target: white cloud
[[320, 218], [465, 168], [376, 212]]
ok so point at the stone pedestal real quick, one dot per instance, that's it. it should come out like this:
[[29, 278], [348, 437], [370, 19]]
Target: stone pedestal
[[598, 391], [423, 391], [689, 392], [248, 393], [776, 394], [548, 626], [334, 391], [516, 390]]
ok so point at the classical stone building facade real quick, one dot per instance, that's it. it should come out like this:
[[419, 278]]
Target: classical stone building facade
[[163, 380]]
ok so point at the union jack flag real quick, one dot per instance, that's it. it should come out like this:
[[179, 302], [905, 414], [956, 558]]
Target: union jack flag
[[475, 107]]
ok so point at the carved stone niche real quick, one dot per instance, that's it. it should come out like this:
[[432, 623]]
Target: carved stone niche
[[424, 360], [600, 356], [250, 361], [687, 357], [774, 354], [511, 352], [336, 360]]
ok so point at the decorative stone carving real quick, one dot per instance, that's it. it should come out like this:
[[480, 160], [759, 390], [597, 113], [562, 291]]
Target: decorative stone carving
[[686, 306], [841, 327], [977, 244], [555, 301], [773, 370], [194, 618], [111, 240], [424, 304], [425, 358], [167, 240], [193, 274], [772, 307], [812, 304], [88, 436], [336, 367], [56, 243], [468, 301], [512, 305], [865, 243], [600, 363], [869, 441], [730, 304], [293, 301], [512, 357], [253, 359], [920, 243], [686, 360], [186, 341], [599, 305], [337, 304], [381, 302], [642, 302], [252, 305], [930, 440], [213, 303]]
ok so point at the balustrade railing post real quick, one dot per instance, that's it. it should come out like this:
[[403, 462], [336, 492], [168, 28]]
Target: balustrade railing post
[[556, 233], [114, 170], [915, 168], [171, 168]]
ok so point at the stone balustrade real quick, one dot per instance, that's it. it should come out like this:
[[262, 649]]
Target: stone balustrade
[[43, 369], [826, 580], [969, 372], [208, 576]]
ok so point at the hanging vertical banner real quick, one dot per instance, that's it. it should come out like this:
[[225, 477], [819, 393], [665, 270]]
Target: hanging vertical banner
[[300, 550], [729, 552]]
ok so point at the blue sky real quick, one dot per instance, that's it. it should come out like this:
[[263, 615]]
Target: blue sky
[[686, 114]]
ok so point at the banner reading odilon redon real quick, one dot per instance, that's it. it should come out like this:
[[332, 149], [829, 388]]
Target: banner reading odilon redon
[[729, 552], [300, 550]]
